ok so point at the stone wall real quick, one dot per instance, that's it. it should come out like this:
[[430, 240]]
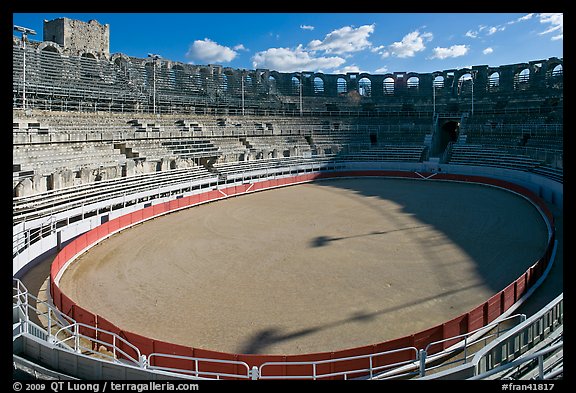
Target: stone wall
[[80, 38]]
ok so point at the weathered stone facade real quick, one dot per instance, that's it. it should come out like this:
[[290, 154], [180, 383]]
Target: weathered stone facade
[[90, 39]]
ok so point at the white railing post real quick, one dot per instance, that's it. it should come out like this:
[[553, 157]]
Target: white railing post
[[77, 338], [253, 374], [143, 361], [422, 356]]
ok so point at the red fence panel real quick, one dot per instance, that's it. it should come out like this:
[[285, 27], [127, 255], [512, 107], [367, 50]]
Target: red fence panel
[[147, 212], [92, 236], [454, 327], [67, 305], [56, 295], [425, 337], [207, 366], [173, 349], [81, 242], [159, 208], [194, 199], [494, 307], [108, 326], [102, 231], [84, 316], [137, 215], [477, 317], [508, 296], [521, 285], [362, 363], [144, 344], [125, 220], [69, 251], [114, 225]]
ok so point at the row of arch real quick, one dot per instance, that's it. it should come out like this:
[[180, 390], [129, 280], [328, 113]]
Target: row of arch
[[315, 83]]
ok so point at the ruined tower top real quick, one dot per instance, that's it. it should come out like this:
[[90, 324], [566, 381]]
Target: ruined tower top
[[79, 38]]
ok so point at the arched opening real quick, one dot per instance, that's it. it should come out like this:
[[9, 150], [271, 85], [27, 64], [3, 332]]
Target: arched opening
[[494, 82], [521, 79], [413, 83], [465, 84], [318, 85], [449, 132], [295, 85], [555, 77], [341, 86], [88, 55], [272, 85], [365, 87], [438, 82], [389, 86], [557, 71], [50, 48]]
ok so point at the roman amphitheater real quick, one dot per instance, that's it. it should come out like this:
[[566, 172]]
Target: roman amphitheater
[[177, 221]]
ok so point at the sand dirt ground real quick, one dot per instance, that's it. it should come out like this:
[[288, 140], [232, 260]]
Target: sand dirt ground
[[316, 267]]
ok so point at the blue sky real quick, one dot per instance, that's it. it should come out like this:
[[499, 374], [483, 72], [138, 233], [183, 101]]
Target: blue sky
[[329, 42]]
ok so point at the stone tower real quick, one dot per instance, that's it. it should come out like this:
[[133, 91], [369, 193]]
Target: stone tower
[[80, 38]]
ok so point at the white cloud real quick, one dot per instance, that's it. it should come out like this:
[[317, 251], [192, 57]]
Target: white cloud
[[487, 51], [288, 60], [556, 21], [344, 40], [346, 69], [453, 51], [381, 70], [240, 47], [306, 27], [208, 51], [495, 29], [411, 43], [525, 17], [521, 19], [471, 34]]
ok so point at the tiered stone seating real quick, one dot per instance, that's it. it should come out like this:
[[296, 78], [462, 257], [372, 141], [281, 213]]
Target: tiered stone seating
[[397, 153]]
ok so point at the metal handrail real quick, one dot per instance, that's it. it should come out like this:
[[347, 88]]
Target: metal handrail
[[371, 370], [196, 361]]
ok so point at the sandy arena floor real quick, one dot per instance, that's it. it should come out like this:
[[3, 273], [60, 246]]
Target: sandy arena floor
[[311, 268]]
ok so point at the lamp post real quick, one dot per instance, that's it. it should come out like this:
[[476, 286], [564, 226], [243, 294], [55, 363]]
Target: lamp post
[[242, 83], [433, 99], [473, 74], [301, 83], [25, 31], [154, 58]]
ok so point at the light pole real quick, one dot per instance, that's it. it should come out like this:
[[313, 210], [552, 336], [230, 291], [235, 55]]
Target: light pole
[[433, 99], [154, 58], [25, 31], [242, 83], [301, 83], [473, 73]]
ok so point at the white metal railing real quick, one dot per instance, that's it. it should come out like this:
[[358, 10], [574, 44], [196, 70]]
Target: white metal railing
[[116, 346], [75, 336], [466, 341], [532, 332], [196, 371], [539, 355], [371, 370]]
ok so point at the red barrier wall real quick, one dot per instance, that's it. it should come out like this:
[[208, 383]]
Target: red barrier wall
[[472, 320]]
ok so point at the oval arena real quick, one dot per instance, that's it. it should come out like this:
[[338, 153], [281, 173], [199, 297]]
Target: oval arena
[[316, 267], [373, 228]]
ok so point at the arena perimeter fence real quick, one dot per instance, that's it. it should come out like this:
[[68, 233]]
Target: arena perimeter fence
[[346, 363]]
